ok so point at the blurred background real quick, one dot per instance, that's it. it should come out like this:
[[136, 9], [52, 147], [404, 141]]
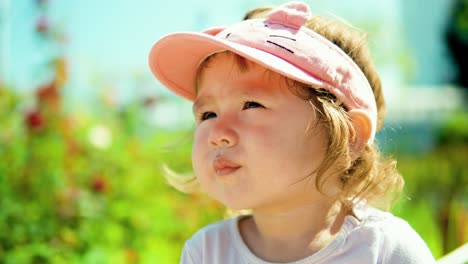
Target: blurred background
[[85, 128]]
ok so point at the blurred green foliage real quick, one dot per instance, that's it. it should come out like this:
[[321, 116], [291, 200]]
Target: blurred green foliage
[[64, 198], [436, 185]]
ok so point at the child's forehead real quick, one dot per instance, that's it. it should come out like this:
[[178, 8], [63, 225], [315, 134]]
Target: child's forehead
[[234, 70], [243, 69]]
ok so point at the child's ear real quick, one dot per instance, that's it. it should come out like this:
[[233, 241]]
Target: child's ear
[[362, 130]]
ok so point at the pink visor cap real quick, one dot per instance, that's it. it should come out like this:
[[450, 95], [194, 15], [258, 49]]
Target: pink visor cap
[[280, 43]]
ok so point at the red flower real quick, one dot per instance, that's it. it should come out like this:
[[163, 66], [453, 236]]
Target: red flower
[[42, 24], [99, 184], [48, 93], [34, 120]]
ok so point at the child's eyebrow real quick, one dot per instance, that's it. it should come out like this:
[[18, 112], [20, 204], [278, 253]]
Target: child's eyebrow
[[199, 102]]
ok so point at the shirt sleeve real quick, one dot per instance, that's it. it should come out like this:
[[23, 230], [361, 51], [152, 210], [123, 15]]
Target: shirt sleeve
[[403, 245], [189, 255]]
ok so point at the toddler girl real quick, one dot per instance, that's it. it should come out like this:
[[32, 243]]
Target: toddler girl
[[286, 109]]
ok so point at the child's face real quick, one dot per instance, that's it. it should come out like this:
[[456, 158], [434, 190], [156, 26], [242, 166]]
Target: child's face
[[255, 142]]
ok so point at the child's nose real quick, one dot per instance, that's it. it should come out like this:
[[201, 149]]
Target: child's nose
[[223, 133]]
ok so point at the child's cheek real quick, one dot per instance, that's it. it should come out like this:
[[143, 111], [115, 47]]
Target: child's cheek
[[200, 137], [199, 148]]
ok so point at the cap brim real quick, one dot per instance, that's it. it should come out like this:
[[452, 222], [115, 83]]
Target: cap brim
[[174, 60]]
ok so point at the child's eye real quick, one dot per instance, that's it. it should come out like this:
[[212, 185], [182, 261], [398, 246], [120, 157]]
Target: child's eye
[[251, 104], [207, 115]]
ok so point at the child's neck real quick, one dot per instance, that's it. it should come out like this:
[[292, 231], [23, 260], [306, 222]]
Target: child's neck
[[294, 233]]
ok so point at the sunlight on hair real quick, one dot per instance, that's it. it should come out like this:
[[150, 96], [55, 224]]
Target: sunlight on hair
[[186, 183], [344, 21]]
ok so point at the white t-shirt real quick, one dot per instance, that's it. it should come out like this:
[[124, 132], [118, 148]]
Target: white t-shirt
[[379, 237]]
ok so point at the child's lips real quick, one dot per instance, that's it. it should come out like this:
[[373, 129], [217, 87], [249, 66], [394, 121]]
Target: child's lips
[[223, 166]]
